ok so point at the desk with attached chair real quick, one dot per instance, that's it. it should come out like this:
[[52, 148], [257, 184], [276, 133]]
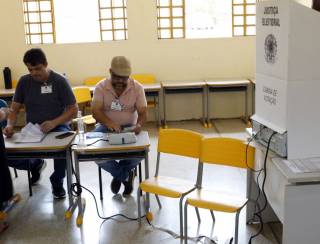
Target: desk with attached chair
[[49, 147], [102, 150]]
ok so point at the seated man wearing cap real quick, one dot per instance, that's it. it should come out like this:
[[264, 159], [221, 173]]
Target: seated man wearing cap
[[119, 102]]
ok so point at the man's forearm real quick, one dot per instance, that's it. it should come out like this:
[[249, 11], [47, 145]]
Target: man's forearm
[[4, 112], [68, 115], [142, 118], [12, 118], [102, 118]]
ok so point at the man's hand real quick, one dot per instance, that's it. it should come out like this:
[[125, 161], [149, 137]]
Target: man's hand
[[8, 131], [4, 113], [47, 126], [137, 129], [114, 127]]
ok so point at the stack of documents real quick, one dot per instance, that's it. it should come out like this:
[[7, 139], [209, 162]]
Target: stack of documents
[[30, 133]]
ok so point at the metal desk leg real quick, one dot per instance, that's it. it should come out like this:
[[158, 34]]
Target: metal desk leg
[[204, 122], [158, 109], [69, 175], [208, 108], [72, 200], [164, 109], [81, 202], [146, 168], [29, 179], [253, 98], [246, 105]]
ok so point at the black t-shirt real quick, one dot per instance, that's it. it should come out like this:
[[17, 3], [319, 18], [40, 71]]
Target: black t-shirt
[[44, 101]]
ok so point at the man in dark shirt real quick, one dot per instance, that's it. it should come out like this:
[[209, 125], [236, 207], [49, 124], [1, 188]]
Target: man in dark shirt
[[49, 101], [316, 5]]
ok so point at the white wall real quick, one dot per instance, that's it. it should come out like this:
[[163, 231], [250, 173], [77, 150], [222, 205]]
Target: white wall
[[167, 59]]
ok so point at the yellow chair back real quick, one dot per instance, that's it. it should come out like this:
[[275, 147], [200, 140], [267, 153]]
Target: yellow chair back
[[227, 151], [92, 81], [180, 142], [144, 78], [82, 94], [14, 83]]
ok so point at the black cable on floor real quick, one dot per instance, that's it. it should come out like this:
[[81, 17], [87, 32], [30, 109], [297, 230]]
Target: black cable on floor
[[258, 213], [76, 190], [196, 239]]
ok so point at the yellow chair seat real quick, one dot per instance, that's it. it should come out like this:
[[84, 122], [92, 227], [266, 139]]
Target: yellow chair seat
[[88, 120], [166, 186], [216, 201]]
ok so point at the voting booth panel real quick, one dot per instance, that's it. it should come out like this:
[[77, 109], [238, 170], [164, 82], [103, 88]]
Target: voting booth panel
[[288, 74]]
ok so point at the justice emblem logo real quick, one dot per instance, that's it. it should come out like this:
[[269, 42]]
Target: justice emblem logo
[[270, 48]]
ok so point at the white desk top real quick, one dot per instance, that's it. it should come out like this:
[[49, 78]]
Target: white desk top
[[146, 87], [152, 87], [49, 143], [227, 83], [293, 177], [7, 92], [253, 81], [183, 84], [143, 142]]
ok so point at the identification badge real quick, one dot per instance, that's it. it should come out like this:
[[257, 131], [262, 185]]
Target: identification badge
[[46, 89], [115, 105]]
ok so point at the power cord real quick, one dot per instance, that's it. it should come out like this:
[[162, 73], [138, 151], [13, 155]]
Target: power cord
[[196, 239], [76, 190], [247, 147], [259, 212], [90, 144]]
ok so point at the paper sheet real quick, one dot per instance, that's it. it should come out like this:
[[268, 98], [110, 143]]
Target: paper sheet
[[30, 133]]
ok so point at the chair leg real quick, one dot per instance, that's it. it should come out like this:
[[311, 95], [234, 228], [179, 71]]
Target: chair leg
[[158, 201], [236, 228], [198, 215], [181, 216], [212, 215], [29, 179], [100, 183], [185, 222], [15, 172], [139, 204]]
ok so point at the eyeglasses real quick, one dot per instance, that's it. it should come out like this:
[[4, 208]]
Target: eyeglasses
[[118, 77]]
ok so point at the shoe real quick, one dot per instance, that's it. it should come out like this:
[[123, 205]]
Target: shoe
[[36, 172], [115, 185], [128, 185], [58, 192]]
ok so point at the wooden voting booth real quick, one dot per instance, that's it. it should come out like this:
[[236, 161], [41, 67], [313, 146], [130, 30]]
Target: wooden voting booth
[[288, 74]]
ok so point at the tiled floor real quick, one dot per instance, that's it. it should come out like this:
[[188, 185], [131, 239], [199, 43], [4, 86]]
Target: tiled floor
[[40, 219]]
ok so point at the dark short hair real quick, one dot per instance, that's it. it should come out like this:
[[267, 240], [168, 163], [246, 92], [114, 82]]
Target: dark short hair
[[34, 56]]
